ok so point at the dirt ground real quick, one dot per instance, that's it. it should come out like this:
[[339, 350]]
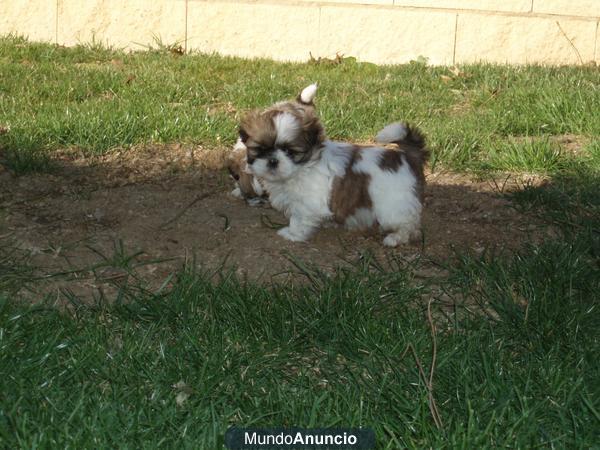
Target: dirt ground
[[141, 214]]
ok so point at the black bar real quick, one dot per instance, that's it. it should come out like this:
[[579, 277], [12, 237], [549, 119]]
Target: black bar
[[299, 438]]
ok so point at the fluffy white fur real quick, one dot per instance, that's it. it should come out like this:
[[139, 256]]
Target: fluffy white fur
[[302, 192], [308, 93], [391, 133], [287, 128]]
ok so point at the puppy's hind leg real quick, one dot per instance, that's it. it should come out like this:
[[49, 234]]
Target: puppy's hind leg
[[400, 218], [400, 236], [403, 234]]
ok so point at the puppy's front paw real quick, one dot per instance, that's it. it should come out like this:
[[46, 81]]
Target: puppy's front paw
[[288, 234], [393, 239]]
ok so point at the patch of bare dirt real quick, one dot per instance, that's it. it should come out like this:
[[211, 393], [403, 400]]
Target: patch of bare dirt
[[141, 214]]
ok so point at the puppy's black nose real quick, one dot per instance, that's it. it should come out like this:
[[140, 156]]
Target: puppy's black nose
[[250, 159], [272, 163]]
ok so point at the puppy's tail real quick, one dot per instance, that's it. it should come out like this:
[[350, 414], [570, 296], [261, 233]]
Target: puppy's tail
[[409, 139], [307, 96]]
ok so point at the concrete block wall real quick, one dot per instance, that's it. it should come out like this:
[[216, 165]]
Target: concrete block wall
[[445, 32]]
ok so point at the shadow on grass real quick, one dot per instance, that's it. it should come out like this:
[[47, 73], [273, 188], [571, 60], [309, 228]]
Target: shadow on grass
[[546, 294]]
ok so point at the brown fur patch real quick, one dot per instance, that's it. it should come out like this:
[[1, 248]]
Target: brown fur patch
[[390, 160], [414, 149], [258, 131], [416, 159], [350, 192]]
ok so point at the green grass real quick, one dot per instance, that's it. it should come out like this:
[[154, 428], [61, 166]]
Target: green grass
[[533, 156], [331, 353], [98, 99], [517, 337]]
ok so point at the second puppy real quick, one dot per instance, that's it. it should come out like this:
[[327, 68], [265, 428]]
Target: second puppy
[[247, 186]]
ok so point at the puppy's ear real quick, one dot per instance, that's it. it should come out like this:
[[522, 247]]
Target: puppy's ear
[[314, 134], [307, 96], [243, 135]]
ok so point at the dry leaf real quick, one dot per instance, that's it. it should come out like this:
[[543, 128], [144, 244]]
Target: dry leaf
[[181, 398], [184, 392]]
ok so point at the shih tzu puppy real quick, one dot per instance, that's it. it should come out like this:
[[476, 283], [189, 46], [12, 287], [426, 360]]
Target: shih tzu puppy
[[312, 179], [247, 186]]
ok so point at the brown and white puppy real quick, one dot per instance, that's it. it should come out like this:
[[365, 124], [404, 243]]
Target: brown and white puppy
[[312, 179], [247, 186]]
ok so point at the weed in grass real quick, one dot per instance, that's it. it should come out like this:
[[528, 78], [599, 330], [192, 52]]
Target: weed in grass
[[120, 258], [120, 266], [26, 160], [524, 155], [161, 46]]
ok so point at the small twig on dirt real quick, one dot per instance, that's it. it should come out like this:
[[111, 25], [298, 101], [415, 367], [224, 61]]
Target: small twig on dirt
[[500, 189], [227, 226], [188, 206], [267, 222], [570, 42], [186, 258]]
